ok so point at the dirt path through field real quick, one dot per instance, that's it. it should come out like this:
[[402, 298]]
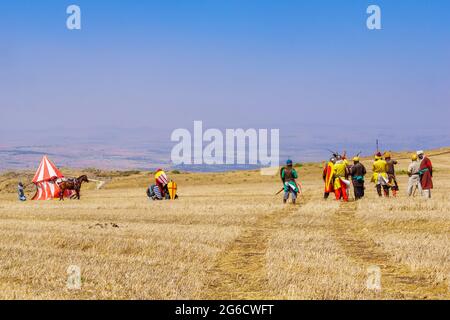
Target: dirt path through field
[[240, 271], [397, 280]]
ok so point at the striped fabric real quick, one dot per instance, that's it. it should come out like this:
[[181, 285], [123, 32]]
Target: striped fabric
[[46, 171], [45, 181], [47, 190], [157, 192], [161, 177]]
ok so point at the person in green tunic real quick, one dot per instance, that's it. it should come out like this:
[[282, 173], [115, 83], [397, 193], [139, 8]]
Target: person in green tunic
[[288, 175]]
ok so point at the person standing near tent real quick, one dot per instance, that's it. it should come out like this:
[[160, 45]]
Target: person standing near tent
[[288, 175], [426, 174], [358, 171], [390, 170], [21, 193], [328, 177], [341, 184], [414, 177], [380, 177], [161, 181]]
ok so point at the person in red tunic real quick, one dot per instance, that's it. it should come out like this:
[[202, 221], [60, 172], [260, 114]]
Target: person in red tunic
[[426, 174]]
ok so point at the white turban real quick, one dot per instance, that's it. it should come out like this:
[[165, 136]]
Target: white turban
[[419, 152]]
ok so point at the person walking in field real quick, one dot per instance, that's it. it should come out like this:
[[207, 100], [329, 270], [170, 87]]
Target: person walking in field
[[426, 174], [328, 177], [414, 176], [288, 175], [341, 184], [390, 171], [358, 171], [379, 176]]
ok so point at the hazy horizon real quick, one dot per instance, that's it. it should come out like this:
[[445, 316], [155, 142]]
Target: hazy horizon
[[113, 91]]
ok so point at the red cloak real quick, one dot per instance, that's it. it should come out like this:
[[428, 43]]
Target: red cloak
[[328, 177], [427, 177]]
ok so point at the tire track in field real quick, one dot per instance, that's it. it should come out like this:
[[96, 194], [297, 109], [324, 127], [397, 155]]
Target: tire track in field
[[240, 271], [398, 281]]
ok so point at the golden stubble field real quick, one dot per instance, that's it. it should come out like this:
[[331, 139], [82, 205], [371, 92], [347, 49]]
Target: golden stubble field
[[227, 237]]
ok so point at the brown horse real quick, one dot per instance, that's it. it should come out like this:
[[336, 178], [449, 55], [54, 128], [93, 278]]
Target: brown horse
[[72, 184]]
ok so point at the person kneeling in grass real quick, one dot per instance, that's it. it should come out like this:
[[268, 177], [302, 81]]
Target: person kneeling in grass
[[21, 193]]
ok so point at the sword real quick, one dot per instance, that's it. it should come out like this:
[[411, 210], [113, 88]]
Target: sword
[[299, 186]]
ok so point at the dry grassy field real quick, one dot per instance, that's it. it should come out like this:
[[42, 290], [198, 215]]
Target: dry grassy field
[[227, 237]]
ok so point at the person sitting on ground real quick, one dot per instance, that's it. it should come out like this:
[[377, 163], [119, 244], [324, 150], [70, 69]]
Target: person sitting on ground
[[161, 181], [288, 175], [21, 192], [154, 193]]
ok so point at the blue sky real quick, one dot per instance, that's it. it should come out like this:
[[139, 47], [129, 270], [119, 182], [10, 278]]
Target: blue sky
[[253, 63]]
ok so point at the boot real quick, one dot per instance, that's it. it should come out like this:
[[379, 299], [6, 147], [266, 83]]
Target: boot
[[379, 190]]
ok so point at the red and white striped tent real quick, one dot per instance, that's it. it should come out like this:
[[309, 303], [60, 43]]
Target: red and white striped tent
[[45, 180]]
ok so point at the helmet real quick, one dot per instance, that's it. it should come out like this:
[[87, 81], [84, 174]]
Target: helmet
[[289, 162], [356, 159], [414, 157]]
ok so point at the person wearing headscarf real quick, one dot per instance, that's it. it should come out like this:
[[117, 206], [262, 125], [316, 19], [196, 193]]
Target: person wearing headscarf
[[414, 176], [379, 176], [341, 184], [426, 174]]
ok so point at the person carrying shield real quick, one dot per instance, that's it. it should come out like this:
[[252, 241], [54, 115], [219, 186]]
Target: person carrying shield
[[328, 177]]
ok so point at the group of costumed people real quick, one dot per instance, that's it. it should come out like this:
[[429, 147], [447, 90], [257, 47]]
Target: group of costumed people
[[163, 188], [339, 174]]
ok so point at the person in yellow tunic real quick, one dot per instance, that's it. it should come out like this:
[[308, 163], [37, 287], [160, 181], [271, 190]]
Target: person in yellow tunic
[[380, 177], [341, 184]]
